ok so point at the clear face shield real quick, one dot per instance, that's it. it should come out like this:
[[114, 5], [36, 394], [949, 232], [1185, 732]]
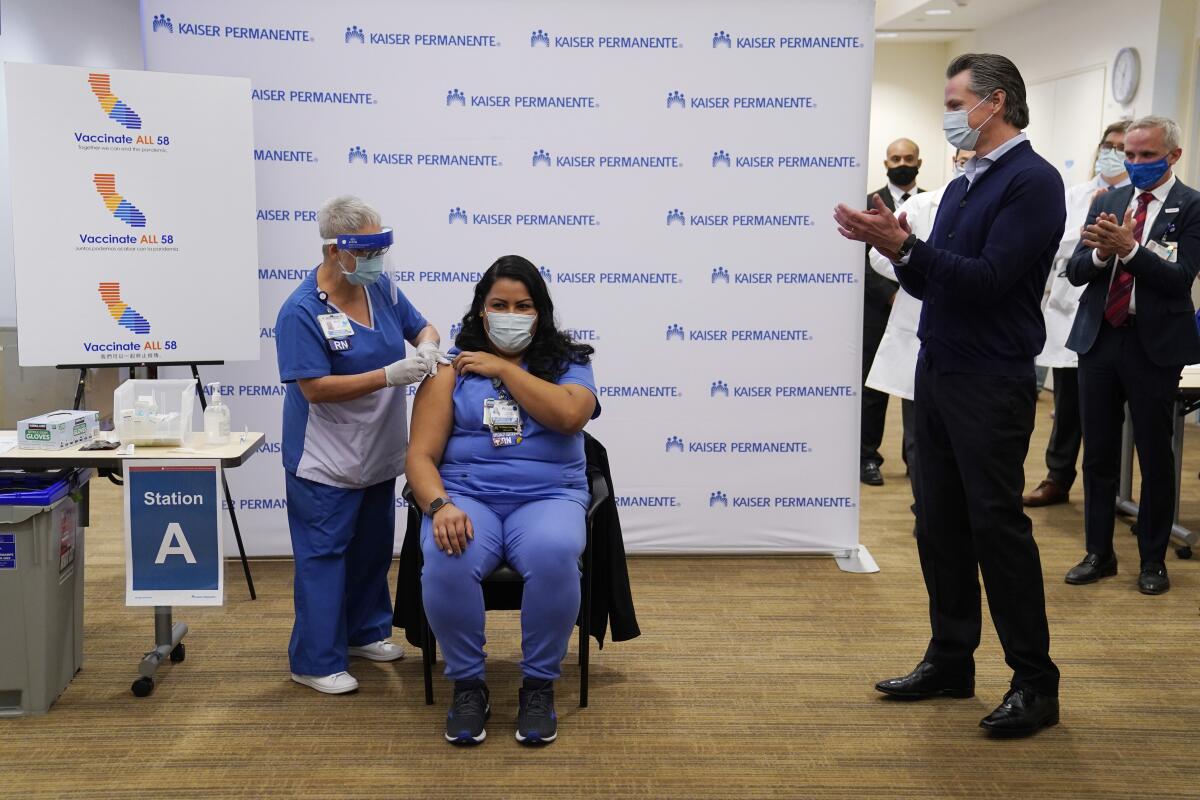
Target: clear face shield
[[367, 250]]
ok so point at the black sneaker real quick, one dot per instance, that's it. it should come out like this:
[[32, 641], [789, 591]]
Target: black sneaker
[[468, 712], [537, 723]]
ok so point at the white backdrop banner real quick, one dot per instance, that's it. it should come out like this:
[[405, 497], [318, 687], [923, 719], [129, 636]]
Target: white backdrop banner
[[132, 195], [670, 166]]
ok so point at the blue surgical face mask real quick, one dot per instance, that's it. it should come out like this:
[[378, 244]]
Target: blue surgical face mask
[[958, 130], [511, 333], [1143, 176], [366, 270], [1110, 163]]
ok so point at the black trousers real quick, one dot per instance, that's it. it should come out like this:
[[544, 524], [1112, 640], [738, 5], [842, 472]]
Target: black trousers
[[1066, 436], [972, 438], [1114, 372], [874, 403], [908, 416]]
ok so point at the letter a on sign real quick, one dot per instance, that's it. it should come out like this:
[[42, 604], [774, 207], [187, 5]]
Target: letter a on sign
[[174, 543]]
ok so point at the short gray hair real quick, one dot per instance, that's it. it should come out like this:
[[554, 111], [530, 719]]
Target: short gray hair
[[990, 72], [345, 214], [1169, 127]]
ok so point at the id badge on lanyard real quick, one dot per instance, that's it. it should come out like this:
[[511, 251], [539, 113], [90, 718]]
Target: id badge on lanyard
[[502, 416], [337, 330]]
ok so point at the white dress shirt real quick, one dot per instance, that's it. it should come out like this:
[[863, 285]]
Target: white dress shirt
[[897, 193], [1152, 209]]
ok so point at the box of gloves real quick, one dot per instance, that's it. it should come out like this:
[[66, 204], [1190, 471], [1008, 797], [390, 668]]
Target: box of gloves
[[58, 430]]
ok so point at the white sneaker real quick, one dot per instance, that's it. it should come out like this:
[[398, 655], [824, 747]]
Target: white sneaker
[[383, 650], [337, 683]]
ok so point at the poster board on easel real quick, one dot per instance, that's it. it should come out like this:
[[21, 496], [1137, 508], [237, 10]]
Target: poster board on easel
[[134, 228]]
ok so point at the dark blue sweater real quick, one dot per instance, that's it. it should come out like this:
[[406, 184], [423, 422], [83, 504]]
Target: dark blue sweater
[[983, 271]]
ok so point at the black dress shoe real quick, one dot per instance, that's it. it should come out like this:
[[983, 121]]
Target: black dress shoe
[[924, 682], [1092, 569], [870, 474], [1153, 579], [1024, 712]]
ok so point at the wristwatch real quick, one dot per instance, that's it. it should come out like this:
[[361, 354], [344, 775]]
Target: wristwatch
[[437, 504], [906, 247]]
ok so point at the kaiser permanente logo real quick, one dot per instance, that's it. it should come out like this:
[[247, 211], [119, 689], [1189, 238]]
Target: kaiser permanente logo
[[540, 38], [460, 216], [676, 217], [721, 39], [161, 24], [750, 447], [455, 97], [678, 99], [720, 500], [544, 158], [723, 276], [314, 96], [676, 332], [719, 389], [356, 35], [359, 155], [722, 159]]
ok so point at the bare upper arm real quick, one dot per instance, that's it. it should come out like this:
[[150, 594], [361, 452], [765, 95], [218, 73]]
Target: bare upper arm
[[432, 415]]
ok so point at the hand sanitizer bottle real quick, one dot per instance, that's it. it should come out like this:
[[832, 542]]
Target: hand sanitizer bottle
[[216, 417]]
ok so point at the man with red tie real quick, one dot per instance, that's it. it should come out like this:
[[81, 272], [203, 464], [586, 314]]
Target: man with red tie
[[1134, 332]]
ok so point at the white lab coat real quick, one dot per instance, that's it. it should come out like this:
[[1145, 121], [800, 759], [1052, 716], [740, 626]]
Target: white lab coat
[[1062, 300], [894, 369]]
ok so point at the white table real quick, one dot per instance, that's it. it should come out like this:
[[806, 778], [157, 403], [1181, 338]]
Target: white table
[[1187, 400], [168, 634]]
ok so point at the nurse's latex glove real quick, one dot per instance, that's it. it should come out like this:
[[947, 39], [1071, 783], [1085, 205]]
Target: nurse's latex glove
[[406, 370], [432, 353]]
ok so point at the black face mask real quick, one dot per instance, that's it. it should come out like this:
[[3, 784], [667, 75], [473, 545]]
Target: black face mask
[[902, 176]]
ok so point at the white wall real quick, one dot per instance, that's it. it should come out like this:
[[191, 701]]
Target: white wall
[[906, 100], [95, 33], [1066, 37]]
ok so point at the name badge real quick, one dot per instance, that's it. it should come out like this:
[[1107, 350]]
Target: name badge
[[339, 345], [1168, 251], [1171, 210], [502, 416], [335, 326]]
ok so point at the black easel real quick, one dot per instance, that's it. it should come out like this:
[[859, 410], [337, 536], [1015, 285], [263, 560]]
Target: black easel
[[152, 372]]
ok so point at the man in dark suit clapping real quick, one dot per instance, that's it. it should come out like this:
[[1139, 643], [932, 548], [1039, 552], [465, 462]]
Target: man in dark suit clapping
[[1134, 332]]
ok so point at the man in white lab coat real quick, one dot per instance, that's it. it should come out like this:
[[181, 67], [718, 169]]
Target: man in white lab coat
[[894, 369], [1062, 451]]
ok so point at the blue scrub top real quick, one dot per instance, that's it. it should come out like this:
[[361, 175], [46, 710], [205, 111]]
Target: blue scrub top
[[359, 442], [546, 465]]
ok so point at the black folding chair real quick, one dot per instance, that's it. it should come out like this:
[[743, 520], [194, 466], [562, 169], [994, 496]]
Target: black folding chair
[[502, 591]]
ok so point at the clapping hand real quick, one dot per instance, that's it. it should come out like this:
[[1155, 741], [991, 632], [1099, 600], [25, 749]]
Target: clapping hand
[[878, 227], [1108, 235]]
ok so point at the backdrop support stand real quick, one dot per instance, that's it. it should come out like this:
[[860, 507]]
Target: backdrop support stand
[[153, 373]]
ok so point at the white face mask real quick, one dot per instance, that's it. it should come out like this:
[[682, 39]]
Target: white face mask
[[1110, 163], [511, 333], [959, 132]]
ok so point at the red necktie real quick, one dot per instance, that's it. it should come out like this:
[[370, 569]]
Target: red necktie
[[1116, 311]]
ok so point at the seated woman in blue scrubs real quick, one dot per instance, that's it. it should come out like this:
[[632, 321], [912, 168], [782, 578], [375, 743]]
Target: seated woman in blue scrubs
[[497, 465], [340, 343]]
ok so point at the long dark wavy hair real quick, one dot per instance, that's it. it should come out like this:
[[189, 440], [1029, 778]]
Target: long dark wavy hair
[[551, 350]]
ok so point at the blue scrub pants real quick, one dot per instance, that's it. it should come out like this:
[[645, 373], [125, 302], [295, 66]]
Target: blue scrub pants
[[542, 540], [342, 540]]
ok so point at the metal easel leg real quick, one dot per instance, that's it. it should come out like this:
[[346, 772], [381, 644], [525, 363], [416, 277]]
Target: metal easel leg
[[237, 530]]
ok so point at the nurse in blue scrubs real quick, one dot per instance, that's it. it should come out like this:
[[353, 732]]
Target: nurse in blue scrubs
[[340, 340], [497, 465]]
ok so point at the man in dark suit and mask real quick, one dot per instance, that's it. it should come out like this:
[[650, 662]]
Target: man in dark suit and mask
[[1134, 332], [902, 163]]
